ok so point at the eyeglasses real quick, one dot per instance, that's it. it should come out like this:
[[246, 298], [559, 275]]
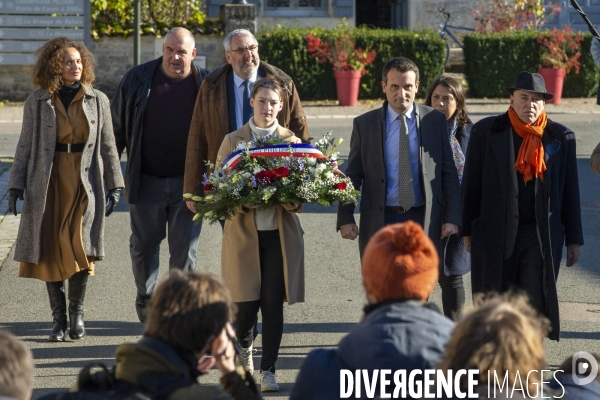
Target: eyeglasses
[[243, 50]]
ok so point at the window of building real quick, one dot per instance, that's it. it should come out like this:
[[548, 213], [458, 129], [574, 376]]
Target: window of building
[[295, 7]]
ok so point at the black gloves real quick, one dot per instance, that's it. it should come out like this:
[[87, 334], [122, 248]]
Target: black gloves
[[13, 195], [112, 199]]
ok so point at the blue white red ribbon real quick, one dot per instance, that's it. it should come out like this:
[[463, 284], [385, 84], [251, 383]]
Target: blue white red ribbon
[[278, 150]]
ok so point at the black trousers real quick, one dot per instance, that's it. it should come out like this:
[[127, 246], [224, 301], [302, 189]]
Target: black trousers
[[453, 295], [272, 294], [416, 214], [524, 269]]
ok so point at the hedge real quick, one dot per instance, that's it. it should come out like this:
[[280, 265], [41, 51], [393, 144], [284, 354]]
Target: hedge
[[286, 49], [492, 62]]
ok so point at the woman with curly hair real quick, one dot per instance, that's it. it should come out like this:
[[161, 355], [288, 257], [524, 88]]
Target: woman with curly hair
[[446, 95], [65, 157]]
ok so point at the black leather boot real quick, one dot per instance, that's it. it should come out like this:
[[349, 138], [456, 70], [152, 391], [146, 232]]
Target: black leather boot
[[77, 285], [141, 306], [58, 305]]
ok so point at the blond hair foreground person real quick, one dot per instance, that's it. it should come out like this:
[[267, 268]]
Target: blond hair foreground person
[[503, 339]]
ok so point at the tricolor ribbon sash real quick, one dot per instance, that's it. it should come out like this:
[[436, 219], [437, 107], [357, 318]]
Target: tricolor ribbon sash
[[279, 150]]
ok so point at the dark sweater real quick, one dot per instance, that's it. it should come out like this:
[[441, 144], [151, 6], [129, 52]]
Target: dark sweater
[[167, 123], [66, 94], [526, 191]]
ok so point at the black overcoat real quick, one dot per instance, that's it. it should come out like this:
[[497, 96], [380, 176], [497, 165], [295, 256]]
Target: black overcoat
[[491, 209], [456, 258]]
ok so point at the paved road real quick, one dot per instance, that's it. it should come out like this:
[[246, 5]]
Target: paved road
[[333, 286]]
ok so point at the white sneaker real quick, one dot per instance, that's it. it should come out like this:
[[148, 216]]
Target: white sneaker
[[268, 382], [245, 359]]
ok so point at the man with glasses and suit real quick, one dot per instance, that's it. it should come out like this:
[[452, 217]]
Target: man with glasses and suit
[[223, 105]]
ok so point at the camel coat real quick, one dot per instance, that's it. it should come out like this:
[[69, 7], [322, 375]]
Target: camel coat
[[33, 163], [240, 261]]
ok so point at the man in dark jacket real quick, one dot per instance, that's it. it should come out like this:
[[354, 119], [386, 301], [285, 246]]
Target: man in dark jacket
[[151, 113], [223, 105], [521, 199], [398, 332]]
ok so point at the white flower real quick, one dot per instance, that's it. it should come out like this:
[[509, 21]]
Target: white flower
[[246, 175], [311, 161], [320, 168], [257, 170], [329, 175], [335, 156], [241, 145]]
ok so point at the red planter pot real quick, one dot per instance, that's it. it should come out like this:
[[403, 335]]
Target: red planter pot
[[347, 84], [554, 78]]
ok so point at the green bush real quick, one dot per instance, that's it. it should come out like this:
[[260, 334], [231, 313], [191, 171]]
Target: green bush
[[493, 61], [115, 17], [286, 49]]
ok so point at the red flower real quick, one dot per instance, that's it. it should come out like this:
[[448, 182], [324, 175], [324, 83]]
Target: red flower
[[265, 176], [341, 53], [281, 172], [208, 186], [340, 186]]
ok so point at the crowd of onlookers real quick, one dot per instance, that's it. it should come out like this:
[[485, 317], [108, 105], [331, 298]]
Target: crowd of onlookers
[[189, 330]]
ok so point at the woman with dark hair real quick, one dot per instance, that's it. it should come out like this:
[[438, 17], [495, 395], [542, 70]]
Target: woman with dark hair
[[65, 158], [446, 95]]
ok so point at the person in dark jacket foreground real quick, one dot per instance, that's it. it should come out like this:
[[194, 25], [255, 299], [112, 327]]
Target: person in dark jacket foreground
[[576, 385], [398, 331], [188, 319]]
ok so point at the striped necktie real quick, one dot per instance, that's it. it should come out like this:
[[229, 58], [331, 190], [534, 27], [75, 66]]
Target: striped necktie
[[405, 178]]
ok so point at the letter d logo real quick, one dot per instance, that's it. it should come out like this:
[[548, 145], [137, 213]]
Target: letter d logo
[[580, 367]]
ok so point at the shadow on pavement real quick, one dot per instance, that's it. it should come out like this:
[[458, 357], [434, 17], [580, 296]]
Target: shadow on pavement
[[580, 335], [94, 328]]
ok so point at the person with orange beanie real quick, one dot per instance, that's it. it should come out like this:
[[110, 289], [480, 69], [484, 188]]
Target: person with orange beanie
[[521, 199], [399, 330]]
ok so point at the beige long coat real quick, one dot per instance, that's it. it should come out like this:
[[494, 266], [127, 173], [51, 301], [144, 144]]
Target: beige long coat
[[240, 261]]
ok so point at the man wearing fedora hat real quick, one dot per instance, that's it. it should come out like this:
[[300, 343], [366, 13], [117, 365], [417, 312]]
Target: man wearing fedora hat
[[521, 199]]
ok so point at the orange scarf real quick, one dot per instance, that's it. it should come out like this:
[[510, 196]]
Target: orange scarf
[[530, 160]]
